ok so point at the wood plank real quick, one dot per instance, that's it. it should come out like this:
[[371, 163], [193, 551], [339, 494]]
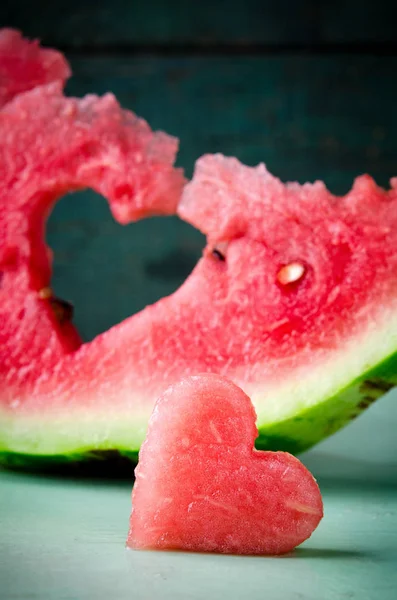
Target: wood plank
[[306, 117], [127, 23]]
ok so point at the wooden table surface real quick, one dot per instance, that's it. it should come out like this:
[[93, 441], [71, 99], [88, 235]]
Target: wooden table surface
[[64, 540], [307, 87]]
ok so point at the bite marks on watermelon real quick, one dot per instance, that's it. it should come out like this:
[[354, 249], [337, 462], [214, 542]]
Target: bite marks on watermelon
[[200, 484], [294, 299], [311, 291], [56, 145], [24, 65]]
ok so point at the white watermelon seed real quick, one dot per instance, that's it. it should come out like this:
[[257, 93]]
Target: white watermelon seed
[[290, 273]]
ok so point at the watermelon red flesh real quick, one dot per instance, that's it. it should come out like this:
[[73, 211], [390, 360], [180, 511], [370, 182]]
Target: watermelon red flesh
[[305, 351], [55, 145], [301, 350], [24, 65], [201, 486]]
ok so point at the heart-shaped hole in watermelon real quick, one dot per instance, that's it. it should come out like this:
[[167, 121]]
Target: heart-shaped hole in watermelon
[[108, 272]]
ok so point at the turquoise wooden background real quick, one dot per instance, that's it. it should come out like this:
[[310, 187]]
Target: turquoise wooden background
[[308, 87]]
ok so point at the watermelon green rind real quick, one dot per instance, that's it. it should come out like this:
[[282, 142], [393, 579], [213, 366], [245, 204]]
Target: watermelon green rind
[[59, 441], [56, 462], [322, 418], [307, 428]]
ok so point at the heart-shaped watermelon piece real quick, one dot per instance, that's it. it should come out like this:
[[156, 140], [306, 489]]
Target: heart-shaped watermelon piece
[[201, 485]]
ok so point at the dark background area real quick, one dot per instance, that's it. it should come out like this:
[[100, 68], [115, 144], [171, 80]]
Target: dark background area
[[307, 87]]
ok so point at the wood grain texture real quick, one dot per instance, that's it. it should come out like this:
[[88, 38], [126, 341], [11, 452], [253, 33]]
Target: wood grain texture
[[65, 540], [128, 23]]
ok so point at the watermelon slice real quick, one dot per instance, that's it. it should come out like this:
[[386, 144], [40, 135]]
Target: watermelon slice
[[201, 486], [24, 65], [294, 298]]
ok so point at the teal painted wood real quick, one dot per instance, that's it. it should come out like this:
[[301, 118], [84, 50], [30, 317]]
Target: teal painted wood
[[125, 23], [64, 540]]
